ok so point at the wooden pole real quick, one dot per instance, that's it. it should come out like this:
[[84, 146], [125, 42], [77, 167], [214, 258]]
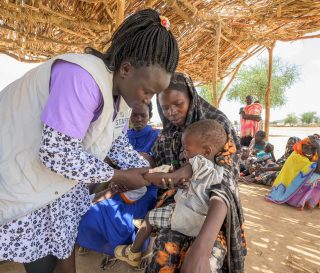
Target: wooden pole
[[216, 65], [120, 12], [267, 96]]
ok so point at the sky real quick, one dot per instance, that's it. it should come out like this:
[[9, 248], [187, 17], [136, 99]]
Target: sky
[[303, 96]]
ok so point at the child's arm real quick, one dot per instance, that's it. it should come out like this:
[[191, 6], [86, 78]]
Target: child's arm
[[197, 259], [169, 180]]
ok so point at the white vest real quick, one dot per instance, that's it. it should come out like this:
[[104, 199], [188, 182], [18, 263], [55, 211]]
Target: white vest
[[25, 184]]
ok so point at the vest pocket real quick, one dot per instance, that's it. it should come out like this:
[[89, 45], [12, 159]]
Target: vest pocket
[[35, 173]]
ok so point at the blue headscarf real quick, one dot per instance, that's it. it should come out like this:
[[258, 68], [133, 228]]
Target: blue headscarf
[[142, 141]]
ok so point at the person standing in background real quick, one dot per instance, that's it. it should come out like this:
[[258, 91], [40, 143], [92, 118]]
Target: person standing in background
[[250, 120]]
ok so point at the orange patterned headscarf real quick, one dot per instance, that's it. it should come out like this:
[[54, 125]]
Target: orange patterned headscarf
[[298, 148], [225, 157]]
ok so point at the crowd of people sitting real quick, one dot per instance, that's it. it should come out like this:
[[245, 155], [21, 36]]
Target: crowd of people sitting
[[294, 177]]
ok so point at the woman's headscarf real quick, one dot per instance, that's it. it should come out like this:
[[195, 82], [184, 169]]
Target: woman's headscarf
[[288, 150], [298, 148], [168, 149]]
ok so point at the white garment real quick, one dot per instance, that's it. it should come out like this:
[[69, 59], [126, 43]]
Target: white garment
[[192, 204], [25, 184]]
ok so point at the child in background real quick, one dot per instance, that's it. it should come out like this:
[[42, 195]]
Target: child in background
[[204, 145], [244, 161], [258, 143]]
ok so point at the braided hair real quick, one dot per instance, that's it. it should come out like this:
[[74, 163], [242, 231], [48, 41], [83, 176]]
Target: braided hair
[[143, 41]]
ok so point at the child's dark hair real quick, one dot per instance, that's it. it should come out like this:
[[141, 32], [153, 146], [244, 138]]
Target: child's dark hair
[[209, 132], [261, 133], [143, 41]]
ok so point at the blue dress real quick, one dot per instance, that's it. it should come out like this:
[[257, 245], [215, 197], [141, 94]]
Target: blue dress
[[108, 224]]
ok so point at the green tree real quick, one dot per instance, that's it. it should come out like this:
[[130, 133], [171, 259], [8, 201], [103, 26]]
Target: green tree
[[308, 117], [253, 80], [205, 91], [291, 119]]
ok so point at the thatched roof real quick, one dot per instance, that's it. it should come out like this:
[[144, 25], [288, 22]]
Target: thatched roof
[[34, 30]]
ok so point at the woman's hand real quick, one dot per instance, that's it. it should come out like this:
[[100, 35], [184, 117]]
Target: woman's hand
[[131, 179], [196, 261], [169, 180]]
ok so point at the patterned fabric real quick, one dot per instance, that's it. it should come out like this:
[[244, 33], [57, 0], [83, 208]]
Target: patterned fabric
[[161, 217], [296, 184], [308, 195], [168, 150], [250, 127], [225, 156], [65, 155], [171, 248], [53, 229], [267, 178]]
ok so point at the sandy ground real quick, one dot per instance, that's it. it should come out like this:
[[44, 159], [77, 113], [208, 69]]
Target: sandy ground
[[280, 239]]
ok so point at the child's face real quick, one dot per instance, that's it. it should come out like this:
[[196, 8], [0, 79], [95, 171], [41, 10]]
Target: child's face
[[245, 153], [192, 146], [259, 138], [268, 149]]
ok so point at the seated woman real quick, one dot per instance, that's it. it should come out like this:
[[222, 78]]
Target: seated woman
[[268, 173], [221, 241], [258, 143], [298, 183], [142, 136], [109, 222]]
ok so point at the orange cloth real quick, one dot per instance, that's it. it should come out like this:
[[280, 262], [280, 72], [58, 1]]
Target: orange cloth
[[298, 148], [250, 127]]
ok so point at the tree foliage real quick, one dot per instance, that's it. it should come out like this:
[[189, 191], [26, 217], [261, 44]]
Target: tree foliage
[[253, 80], [309, 117], [206, 91], [291, 119]]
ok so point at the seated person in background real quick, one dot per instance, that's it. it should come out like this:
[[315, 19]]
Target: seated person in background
[[264, 159], [298, 183], [245, 161], [265, 156], [269, 173], [204, 143], [258, 143], [142, 136]]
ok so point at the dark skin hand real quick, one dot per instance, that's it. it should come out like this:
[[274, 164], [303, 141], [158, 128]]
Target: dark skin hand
[[250, 117], [131, 179], [169, 180], [197, 259]]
